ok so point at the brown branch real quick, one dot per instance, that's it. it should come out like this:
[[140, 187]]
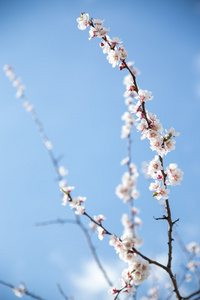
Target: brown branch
[[162, 218], [119, 291], [150, 260], [133, 76], [168, 217], [98, 224]]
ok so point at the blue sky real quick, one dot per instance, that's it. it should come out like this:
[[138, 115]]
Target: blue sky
[[79, 99]]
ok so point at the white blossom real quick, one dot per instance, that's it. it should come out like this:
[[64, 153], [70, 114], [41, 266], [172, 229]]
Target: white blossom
[[137, 221], [112, 291], [175, 175], [171, 132], [65, 200], [114, 57], [97, 31], [20, 91], [98, 21], [144, 95], [125, 161], [29, 107], [135, 194], [105, 46], [126, 130], [19, 292], [48, 145], [62, 171], [194, 248], [99, 218], [123, 52], [80, 210], [67, 189], [83, 21], [115, 41], [101, 232], [191, 265], [169, 145], [156, 145], [188, 277], [128, 118], [17, 82], [144, 169], [77, 201], [154, 168], [63, 183]]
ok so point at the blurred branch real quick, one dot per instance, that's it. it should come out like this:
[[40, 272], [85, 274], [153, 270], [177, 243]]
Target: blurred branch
[[21, 290], [93, 251], [62, 293], [55, 163], [57, 221], [88, 239], [187, 254]]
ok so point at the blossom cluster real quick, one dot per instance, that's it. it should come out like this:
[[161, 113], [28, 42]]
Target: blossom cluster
[[127, 189], [194, 262], [16, 82], [160, 141], [135, 274], [112, 47], [149, 126], [74, 203], [79, 209], [137, 271]]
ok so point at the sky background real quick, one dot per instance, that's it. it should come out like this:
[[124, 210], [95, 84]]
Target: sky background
[[79, 98]]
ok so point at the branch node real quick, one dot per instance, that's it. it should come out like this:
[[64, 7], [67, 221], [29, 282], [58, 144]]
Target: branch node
[[175, 221], [163, 218]]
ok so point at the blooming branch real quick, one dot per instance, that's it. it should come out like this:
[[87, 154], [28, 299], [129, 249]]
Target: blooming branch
[[150, 128]]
